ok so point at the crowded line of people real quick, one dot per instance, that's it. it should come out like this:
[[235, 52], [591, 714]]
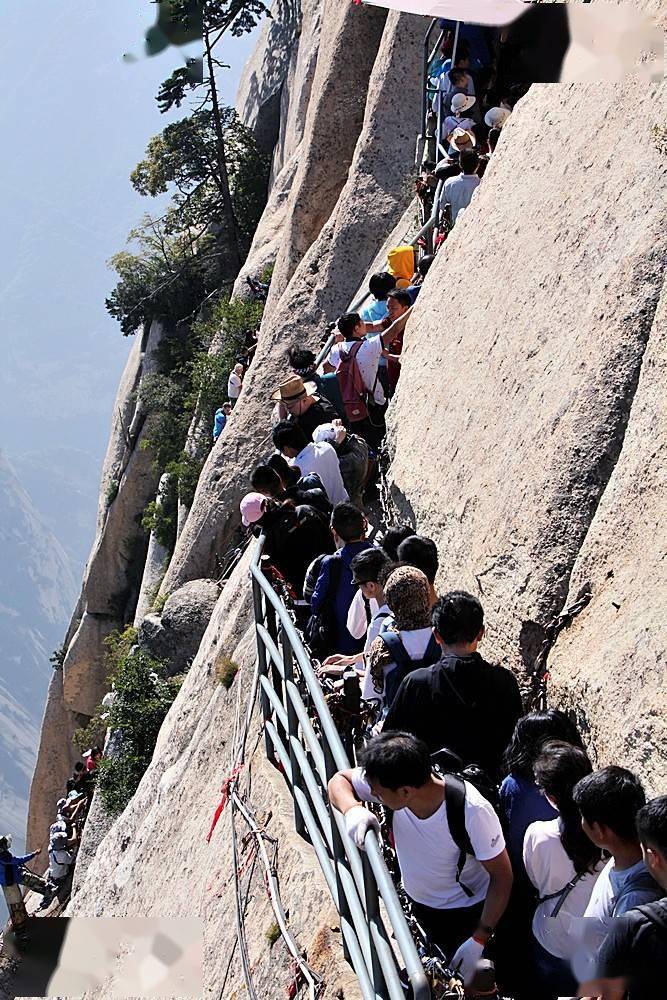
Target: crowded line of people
[[534, 889], [64, 837], [509, 843], [549, 855], [553, 859]]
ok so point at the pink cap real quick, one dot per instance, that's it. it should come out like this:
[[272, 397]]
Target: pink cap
[[252, 508]]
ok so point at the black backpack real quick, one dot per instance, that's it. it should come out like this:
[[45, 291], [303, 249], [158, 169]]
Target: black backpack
[[450, 767], [322, 630], [404, 664]]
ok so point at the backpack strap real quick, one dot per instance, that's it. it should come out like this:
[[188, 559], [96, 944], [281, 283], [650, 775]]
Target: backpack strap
[[353, 351], [455, 801], [432, 652], [403, 664], [562, 894], [396, 649]]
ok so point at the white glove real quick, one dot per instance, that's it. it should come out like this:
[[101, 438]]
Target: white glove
[[358, 820], [466, 958]]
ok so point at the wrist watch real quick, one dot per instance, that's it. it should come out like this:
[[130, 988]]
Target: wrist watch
[[489, 932]]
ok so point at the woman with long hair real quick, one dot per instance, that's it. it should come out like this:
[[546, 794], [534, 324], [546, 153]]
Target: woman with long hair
[[521, 800], [522, 803], [562, 864]]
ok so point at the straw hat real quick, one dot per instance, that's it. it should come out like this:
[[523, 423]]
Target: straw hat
[[496, 117], [294, 388], [462, 102], [461, 139]]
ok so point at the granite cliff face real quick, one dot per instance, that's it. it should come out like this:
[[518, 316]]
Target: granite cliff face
[[510, 427], [525, 438]]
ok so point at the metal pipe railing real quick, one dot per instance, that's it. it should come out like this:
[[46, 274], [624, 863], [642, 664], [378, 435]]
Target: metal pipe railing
[[358, 881], [426, 59]]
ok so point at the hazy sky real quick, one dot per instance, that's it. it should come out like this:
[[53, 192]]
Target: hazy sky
[[75, 119]]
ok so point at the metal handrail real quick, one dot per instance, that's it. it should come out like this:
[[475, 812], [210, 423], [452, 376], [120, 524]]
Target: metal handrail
[[358, 881]]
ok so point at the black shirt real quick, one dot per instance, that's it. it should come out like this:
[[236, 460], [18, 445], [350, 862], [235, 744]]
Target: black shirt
[[294, 537], [309, 490], [462, 703], [636, 949], [321, 412]]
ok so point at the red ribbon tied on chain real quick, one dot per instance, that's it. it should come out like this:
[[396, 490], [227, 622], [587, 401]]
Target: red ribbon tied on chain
[[224, 798]]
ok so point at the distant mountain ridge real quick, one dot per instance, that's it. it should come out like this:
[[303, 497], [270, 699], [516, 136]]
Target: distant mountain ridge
[[37, 591]]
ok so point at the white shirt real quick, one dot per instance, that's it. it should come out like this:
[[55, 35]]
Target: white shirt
[[445, 86], [233, 385], [368, 359], [415, 643], [357, 623], [322, 459], [59, 862], [458, 191], [550, 869], [428, 855], [60, 826]]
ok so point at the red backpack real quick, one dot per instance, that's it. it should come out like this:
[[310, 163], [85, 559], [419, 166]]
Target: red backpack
[[352, 387]]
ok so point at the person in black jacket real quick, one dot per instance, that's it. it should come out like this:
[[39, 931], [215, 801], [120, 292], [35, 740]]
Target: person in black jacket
[[294, 535], [309, 490], [266, 480], [296, 401], [461, 702]]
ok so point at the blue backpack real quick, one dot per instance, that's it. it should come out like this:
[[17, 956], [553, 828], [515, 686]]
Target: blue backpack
[[404, 665]]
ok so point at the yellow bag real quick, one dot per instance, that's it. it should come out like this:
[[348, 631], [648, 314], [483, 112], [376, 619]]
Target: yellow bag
[[401, 263]]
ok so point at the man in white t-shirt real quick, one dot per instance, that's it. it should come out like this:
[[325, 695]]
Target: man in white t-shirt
[[234, 383], [396, 771], [367, 354], [322, 459]]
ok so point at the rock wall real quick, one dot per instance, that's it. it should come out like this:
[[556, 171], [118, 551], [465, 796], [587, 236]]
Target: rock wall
[[321, 288], [521, 372], [610, 666], [110, 587], [333, 123]]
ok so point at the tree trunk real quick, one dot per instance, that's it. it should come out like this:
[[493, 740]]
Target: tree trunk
[[228, 216]]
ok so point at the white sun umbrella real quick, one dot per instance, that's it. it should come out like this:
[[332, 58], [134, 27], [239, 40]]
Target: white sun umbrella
[[494, 12]]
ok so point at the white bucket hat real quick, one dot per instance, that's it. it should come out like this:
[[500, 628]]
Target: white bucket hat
[[496, 117], [462, 102]]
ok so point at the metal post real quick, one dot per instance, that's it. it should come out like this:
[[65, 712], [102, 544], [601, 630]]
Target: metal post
[[425, 61], [372, 906], [261, 661], [338, 847], [276, 679], [293, 725], [456, 43]]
